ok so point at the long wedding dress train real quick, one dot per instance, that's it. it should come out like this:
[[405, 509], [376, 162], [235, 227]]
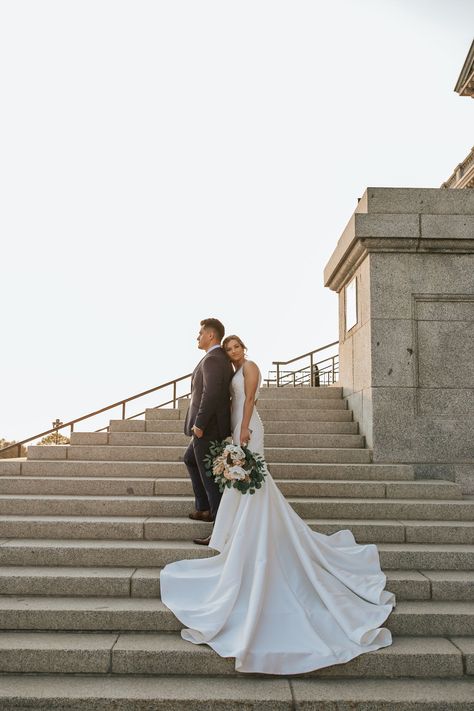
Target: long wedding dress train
[[279, 597]]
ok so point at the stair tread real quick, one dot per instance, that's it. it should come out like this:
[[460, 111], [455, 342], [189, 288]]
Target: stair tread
[[272, 694], [88, 571], [186, 545], [172, 641], [185, 498], [55, 603]]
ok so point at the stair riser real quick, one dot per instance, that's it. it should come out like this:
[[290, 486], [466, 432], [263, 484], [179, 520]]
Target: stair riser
[[163, 620], [300, 393], [444, 665], [115, 556], [75, 486], [133, 583], [206, 661], [385, 509], [180, 506], [156, 529], [372, 472], [271, 427], [427, 560], [87, 530], [157, 439], [175, 454], [72, 619], [51, 653], [80, 582], [181, 486], [318, 413], [23, 555], [342, 489], [164, 414], [301, 404], [161, 693]]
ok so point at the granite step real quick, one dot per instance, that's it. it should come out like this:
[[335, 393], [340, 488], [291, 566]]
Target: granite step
[[77, 485], [346, 489], [337, 411], [97, 553], [145, 582], [182, 528], [181, 486], [302, 404], [175, 454], [282, 470], [87, 581], [151, 553], [179, 439], [157, 653], [271, 427], [412, 618], [306, 507], [300, 393], [63, 692]]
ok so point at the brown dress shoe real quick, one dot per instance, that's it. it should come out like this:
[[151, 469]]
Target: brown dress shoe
[[202, 541], [201, 516]]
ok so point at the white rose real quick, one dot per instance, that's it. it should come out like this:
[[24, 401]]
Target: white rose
[[236, 452], [237, 473]]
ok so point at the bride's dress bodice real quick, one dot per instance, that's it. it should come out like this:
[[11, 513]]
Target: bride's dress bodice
[[237, 390]]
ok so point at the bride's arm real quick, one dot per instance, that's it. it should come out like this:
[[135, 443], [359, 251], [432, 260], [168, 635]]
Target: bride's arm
[[251, 375]]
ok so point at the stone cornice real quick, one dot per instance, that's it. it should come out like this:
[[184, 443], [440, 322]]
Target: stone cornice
[[465, 83], [402, 220], [463, 175]]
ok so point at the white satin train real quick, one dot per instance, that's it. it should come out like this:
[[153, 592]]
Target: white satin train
[[279, 597]]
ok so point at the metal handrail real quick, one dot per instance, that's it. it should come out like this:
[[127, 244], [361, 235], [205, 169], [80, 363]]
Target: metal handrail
[[305, 355], [123, 402], [311, 366], [312, 376]]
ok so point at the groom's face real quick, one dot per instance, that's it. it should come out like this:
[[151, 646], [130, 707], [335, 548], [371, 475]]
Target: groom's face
[[204, 339]]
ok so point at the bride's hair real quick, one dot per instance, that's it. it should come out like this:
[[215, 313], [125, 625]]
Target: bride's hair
[[233, 338]]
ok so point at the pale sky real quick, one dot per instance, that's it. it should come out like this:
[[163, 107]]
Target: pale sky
[[166, 161]]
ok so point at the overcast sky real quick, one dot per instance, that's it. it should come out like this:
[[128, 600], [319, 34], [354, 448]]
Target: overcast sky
[[162, 162]]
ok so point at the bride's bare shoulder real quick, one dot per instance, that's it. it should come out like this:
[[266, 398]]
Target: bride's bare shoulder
[[250, 368]]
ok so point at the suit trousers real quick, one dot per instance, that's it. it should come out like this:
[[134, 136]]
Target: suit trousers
[[207, 496]]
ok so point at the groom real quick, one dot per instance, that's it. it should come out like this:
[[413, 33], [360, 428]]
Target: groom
[[208, 418]]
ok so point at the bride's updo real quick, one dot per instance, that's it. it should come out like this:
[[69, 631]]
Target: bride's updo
[[233, 338]]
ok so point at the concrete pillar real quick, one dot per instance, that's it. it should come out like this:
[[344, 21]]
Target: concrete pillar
[[404, 269]]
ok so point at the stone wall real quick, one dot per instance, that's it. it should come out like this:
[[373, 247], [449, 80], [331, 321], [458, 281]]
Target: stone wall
[[407, 367]]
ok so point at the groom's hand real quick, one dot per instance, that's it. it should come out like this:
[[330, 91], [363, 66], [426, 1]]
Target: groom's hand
[[198, 433]]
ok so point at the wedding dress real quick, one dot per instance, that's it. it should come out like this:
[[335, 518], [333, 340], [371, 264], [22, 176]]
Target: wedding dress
[[279, 597]]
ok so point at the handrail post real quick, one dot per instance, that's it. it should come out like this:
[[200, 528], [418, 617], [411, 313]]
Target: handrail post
[[278, 375], [123, 410], [174, 394], [311, 376], [19, 450], [72, 427]]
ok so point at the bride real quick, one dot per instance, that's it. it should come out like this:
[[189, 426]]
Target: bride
[[279, 597]]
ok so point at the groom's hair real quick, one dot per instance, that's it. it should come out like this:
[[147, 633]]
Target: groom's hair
[[213, 324]]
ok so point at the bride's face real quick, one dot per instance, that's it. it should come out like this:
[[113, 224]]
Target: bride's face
[[234, 351]]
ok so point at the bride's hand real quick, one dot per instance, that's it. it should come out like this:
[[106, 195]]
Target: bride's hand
[[245, 436]]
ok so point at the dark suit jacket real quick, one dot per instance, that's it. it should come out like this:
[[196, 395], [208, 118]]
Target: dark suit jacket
[[209, 408]]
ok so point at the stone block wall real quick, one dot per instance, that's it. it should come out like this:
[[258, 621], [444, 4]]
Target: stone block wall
[[407, 367]]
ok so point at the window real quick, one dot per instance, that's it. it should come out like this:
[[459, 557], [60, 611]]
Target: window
[[351, 304]]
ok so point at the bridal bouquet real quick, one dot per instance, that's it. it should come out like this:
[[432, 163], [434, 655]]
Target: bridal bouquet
[[231, 465]]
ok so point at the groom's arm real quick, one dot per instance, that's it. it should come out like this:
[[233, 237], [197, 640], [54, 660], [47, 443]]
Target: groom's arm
[[213, 380]]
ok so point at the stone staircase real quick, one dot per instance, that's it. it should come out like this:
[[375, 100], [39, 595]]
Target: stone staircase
[[85, 529]]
